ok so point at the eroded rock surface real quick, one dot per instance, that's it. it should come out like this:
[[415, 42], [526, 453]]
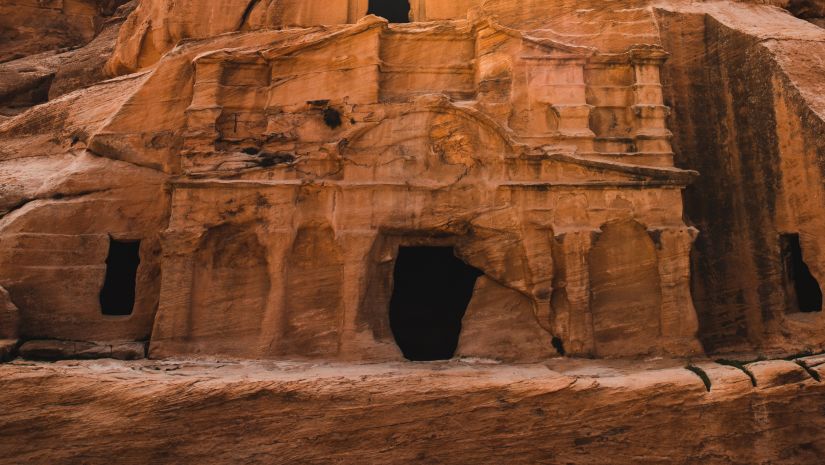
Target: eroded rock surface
[[9, 317], [51, 350], [28, 27], [239, 179], [449, 413], [46, 70], [274, 174], [746, 87]]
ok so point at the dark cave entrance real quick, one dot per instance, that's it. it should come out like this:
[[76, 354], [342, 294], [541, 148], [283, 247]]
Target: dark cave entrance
[[117, 298], [395, 11], [431, 291], [803, 290]]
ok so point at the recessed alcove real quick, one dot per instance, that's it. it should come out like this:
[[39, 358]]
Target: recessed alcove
[[624, 289], [803, 290], [117, 297], [230, 285], [395, 11], [431, 291]]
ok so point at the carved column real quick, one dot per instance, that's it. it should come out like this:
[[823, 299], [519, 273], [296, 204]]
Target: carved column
[[172, 320], [538, 252], [357, 10], [573, 320], [569, 102], [650, 133], [418, 10], [278, 243], [679, 323], [357, 248]]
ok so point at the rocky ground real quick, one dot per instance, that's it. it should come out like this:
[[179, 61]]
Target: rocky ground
[[461, 412]]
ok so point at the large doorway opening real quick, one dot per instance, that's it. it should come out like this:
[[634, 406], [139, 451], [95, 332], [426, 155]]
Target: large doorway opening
[[803, 290], [395, 11], [431, 291], [117, 298]]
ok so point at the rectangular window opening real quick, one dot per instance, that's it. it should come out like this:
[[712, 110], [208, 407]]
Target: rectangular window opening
[[117, 297], [803, 290], [394, 11]]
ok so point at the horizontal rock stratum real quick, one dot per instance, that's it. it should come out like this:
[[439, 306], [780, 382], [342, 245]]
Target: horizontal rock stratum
[[585, 412]]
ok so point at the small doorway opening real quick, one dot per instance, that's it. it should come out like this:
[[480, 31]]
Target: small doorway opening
[[117, 298], [431, 291], [803, 290], [395, 11]]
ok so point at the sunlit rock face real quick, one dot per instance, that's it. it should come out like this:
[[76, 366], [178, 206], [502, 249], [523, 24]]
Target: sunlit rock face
[[244, 183], [28, 27], [412, 231], [747, 84]]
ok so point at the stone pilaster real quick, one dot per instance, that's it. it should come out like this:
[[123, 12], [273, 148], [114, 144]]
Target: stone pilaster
[[678, 320], [650, 132], [357, 255], [573, 321], [538, 249], [278, 244], [172, 323], [357, 10]]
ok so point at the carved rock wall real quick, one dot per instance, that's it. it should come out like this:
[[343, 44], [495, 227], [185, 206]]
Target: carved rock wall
[[274, 157], [61, 204], [748, 112], [493, 308], [271, 176]]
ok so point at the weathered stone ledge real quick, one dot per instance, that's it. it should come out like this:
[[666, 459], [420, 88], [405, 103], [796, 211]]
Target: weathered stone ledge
[[51, 350], [564, 411]]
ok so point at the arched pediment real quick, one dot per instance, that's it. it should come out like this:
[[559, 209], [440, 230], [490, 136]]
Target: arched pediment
[[432, 142]]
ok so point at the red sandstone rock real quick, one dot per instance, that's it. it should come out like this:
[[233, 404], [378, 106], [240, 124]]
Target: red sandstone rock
[[9, 317], [51, 350], [28, 27], [623, 180], [36, 78], [8, 349], [449, 413], [612, 281]]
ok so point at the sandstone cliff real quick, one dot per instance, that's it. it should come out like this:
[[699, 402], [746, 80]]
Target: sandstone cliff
[[146, 128], [303, 180], [748, 113]]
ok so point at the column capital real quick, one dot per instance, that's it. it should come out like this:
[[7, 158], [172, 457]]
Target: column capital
[[648, 55], [657, 233], [567, 237]]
